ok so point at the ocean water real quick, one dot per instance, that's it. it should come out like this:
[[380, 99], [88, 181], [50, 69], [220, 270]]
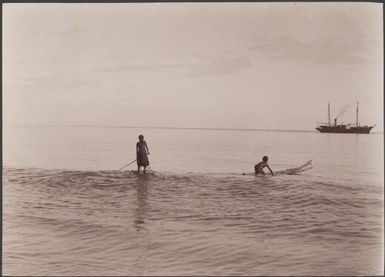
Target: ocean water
[[68, 211]]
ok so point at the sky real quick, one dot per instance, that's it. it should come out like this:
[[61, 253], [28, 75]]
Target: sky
[[200, 65]]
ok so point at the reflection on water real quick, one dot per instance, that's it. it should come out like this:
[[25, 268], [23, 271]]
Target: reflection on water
[[141, 197]]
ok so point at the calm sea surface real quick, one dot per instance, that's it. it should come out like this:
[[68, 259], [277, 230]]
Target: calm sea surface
[[67, 211]]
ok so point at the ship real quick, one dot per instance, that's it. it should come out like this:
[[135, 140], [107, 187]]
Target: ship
[[345, 128]]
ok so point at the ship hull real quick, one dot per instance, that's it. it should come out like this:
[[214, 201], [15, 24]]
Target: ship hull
[[341, 130]]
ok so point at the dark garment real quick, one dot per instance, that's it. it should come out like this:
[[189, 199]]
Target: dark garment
[[141, 154]]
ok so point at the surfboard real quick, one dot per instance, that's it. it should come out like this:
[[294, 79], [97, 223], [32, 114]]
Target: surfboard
[[290, 171], [148, 172]]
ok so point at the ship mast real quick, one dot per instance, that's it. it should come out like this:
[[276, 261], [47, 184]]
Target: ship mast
[[329, 113], [357, 115]]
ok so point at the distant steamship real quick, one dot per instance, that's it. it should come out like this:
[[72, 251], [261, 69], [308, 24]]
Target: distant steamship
[[352, 128]]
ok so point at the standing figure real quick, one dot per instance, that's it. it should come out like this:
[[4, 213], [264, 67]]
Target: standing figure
[[141, 153], [259, 167]]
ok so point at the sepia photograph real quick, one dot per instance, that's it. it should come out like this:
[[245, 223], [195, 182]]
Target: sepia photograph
[[193, 139]]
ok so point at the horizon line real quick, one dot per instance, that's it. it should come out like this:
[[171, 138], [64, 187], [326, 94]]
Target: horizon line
[[158, 127], [168, 128]]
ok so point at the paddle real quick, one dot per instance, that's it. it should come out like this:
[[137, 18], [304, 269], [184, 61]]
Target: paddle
[[126, 165]]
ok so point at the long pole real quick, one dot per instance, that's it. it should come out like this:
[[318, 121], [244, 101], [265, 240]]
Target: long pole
[[357, 115], [126, 165], [329, 113]]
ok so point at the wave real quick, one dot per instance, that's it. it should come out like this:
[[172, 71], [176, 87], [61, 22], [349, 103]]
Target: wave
[[300, 191], [200, 217]]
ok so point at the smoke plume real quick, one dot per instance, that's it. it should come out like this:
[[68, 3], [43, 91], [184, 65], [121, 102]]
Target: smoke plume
[[343, 110]]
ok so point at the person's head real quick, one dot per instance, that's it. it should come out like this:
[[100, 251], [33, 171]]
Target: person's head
[[265, 159], [141, 137]]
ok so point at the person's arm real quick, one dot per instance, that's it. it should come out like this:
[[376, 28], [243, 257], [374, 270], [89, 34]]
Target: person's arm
[[148, 151], [271, 171]]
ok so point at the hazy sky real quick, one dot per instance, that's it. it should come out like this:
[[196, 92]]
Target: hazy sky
[[224, 65]]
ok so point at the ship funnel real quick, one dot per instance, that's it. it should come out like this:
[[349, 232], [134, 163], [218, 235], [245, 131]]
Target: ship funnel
[[335, 121]]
